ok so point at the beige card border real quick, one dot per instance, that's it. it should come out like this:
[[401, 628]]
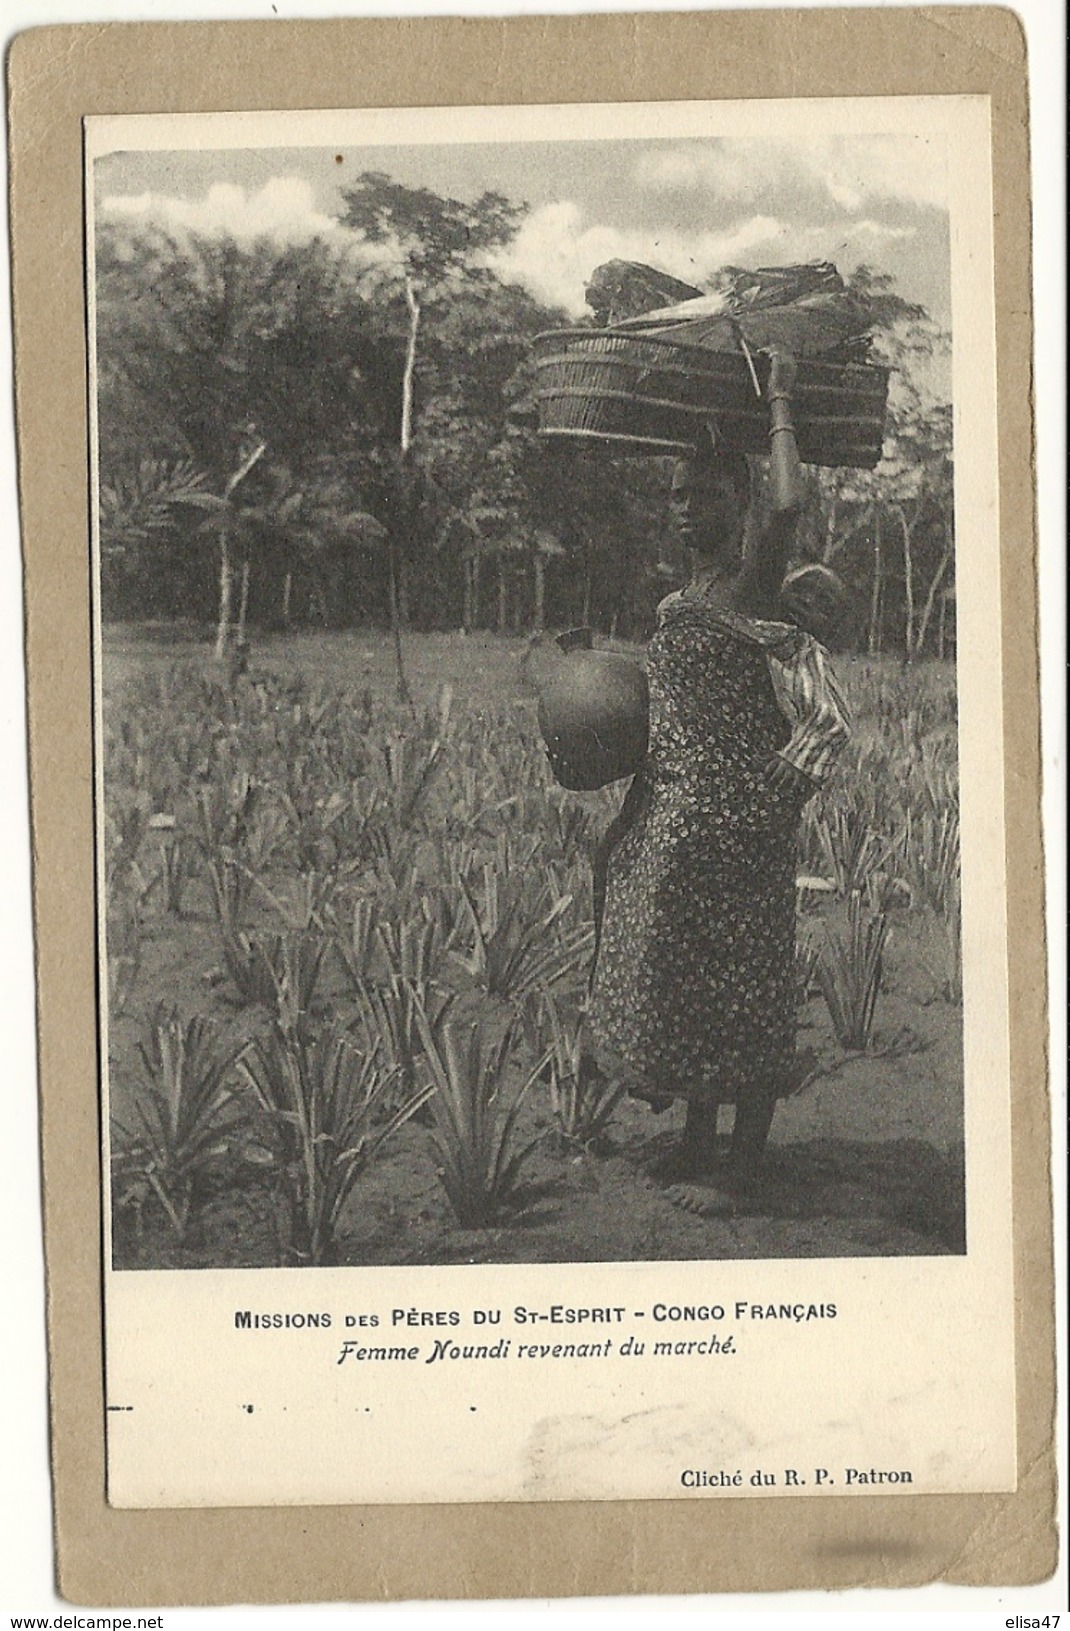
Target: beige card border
[[58, 75]]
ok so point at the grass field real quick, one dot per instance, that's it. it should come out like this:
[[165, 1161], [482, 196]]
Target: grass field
[[347, 951]]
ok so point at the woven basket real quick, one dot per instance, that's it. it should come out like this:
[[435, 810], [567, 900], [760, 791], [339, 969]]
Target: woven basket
[[638, 393]]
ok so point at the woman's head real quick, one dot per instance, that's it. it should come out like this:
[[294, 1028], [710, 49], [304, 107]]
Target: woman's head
[[710, 499]]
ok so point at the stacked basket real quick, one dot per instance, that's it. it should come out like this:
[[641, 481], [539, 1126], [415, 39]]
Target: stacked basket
[[650, 387]]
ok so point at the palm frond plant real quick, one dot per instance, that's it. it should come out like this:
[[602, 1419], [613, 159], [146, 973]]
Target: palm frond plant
[[812, 854], [324, 1106], [520, 945], [413, 949], [932, 853], [387, 1016], [178, 868], [186, 1118], [853, 851], [947, 931], [475, 1112], [355, 943], [476, 804], [444, 909], [361, 832], [411, 761], [445, 860], [125, 832], [395, 875], [224, 803], [570, 828], [806, 960], [849, 970], [263, 831], [229, 879], [229, 890], [123, 952], [316, 818], [269, 967], [139, 503], [582, 1098], [304, 904]]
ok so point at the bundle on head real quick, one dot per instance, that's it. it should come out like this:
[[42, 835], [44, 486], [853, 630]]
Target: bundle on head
[[619, 289], [666, 358]]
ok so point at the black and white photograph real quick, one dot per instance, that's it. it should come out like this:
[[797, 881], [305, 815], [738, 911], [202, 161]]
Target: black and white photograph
[[533, 577], [527, 605], [546, 883]]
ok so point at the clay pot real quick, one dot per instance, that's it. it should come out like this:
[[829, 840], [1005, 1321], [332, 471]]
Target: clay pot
[[593, 708]]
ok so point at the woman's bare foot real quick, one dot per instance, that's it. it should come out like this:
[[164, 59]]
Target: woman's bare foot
[[698, 1154], [754, 1118]]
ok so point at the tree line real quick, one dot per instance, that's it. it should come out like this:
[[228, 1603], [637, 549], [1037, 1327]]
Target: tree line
[[341, 432]]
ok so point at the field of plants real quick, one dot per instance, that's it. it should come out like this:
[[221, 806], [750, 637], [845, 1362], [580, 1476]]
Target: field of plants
[[347, 946]]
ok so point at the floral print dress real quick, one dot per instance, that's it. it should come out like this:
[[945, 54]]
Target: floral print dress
[[693, 991]]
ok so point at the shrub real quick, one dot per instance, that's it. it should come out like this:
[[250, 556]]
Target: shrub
[[849, 970], [186, 1119], [519, 945], [582, 1099], [475, 1114], [322, 1109]]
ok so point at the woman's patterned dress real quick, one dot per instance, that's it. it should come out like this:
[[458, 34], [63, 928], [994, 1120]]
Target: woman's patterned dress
[[693, 993]]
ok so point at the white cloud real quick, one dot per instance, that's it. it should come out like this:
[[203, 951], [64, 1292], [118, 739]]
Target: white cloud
[[858, 170], [558, 245], [854, 171], [553, 255], [877, 229], [556, 250], [283, 210]]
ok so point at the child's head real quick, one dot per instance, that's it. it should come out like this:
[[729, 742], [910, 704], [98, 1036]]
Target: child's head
[[815, 598]]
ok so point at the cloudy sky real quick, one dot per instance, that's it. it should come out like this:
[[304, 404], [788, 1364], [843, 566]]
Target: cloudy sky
[[687, 205]]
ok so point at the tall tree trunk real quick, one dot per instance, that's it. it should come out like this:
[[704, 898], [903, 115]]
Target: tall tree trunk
[[908, 584], [502, 598], [226, 588], [398, 585], [403, 590], [874, 641], [830, 544], [539, 618], [287, 591], [403, 692], [226, 585], [412, 302], [930, 598], [585, 613], [243, 599]]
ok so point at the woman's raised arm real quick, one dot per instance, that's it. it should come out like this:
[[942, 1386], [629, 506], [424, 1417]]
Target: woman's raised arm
[[757, 590]]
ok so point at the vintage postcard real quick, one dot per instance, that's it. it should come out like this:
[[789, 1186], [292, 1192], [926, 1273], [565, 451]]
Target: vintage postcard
[[352, 1134], [545, 656]]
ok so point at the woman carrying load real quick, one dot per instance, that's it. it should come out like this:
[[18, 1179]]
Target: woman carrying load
[[693, 991]]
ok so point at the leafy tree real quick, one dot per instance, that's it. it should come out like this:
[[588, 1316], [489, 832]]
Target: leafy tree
[[234, 359], [890, 531], [436, 247], [350, 428]]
